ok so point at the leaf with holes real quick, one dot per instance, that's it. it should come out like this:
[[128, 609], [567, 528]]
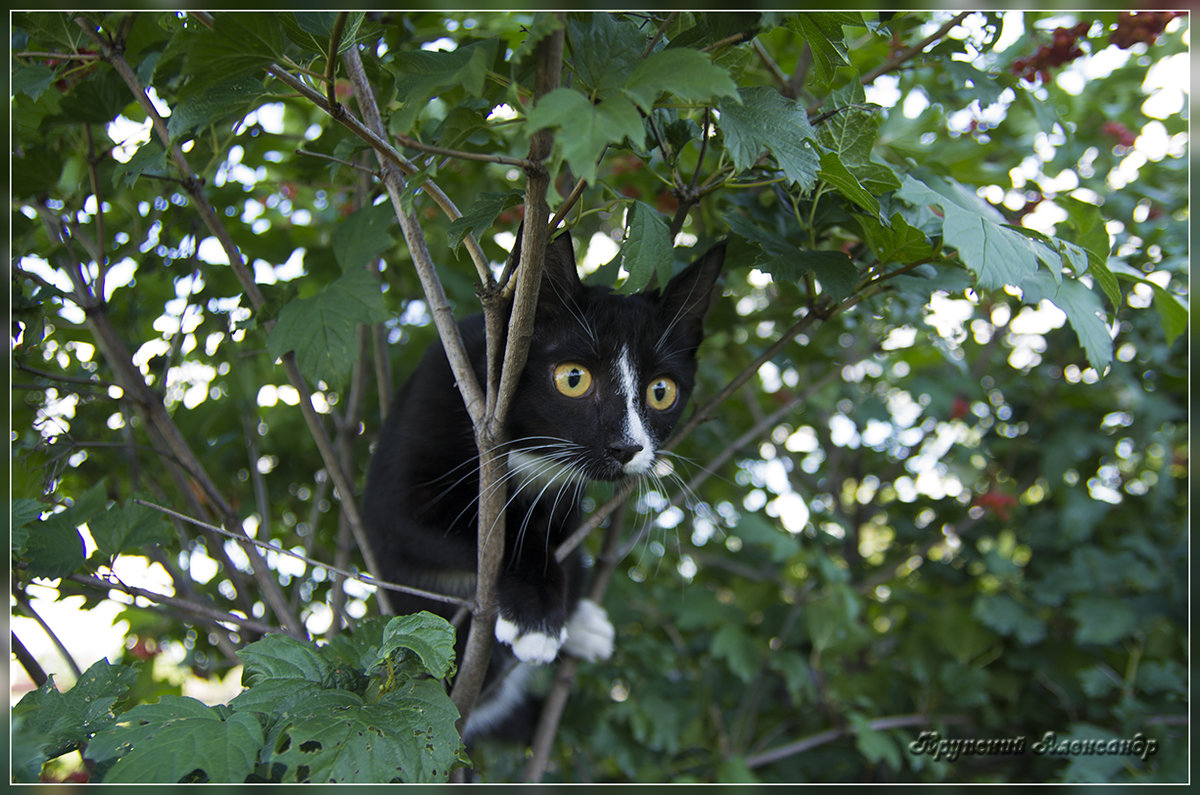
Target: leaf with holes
[[409, 736], [178, 739]]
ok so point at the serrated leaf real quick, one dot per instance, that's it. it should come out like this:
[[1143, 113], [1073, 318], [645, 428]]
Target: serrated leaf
[[54, 547], [70, 718], [997, 254], [897, 243], [480, 216], [408, 737], [279, 656], [216, 103], [429, 636], [1084, 312], [605, 50], [30, 79], [128, 528], [587, 128], [313, 29], [150, 158], [322, 330], [765, 120], [364, 235], [646, 253], [823, 33], [422, 75], [237, 44], [688, 74], [175, 739], [834, 172], [291, 694], [833, 269]]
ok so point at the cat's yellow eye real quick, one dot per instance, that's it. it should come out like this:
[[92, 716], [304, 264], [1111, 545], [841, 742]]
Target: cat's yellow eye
[[661, 394], [572, 379]]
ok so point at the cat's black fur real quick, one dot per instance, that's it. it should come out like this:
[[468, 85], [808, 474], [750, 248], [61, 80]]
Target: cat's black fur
[[422, 486]]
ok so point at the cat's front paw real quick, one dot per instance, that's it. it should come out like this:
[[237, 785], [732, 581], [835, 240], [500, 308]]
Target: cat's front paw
[[530, 646], [589, 632]]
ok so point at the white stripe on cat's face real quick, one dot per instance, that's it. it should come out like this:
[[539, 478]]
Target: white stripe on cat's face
[[635, 429]]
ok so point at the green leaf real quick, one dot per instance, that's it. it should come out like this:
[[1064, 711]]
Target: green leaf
[[430, 637], [823, 33], [422, 75], [23, 514], [176, 739], [216, 103], [1005, 615], [479, 217], [238, 44], [279, 656], [31, 79], [1173, 314], [150, 158], [322, 330], [55, 548], [604, 51], [129, 528], [290, 694], [836, 174], [833, 269], [688, 74], [896, 243], [408, 737], [1102, 620], [646, 254], [364, 235], [69, 719], [874, 745], [314, 29], [754, 528], [587, 128], [996, 253], [1084, 312], [737, 649], [765, 120]]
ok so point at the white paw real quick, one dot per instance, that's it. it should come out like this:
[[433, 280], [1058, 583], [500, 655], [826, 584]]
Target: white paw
[[530, 647], [589, 632]]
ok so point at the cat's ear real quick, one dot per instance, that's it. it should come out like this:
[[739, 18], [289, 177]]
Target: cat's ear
[[687, 297], [560, 277]]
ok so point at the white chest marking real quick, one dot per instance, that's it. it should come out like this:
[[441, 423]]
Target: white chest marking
[[635, 429]]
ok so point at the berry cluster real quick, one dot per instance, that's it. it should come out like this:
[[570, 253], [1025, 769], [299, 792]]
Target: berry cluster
[[1140, 28], [1062, 50], [1114, 129]]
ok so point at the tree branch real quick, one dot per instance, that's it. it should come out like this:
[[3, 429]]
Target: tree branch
[[502, 387], [830, 735]]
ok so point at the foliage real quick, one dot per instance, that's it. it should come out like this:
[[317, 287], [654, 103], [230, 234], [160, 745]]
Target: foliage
[[338, 712], [935, 477]]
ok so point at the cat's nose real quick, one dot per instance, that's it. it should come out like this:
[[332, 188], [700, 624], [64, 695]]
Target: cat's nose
[[624, 452]]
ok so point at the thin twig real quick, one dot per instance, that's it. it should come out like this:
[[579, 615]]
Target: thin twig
[[210, 615], [905, 55], [830, 735], [27, 608], [32, 667], [364, 579]]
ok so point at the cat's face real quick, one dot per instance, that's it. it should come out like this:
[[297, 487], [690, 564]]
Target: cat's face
[[608, 376]]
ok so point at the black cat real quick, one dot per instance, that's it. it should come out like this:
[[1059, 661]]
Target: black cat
[[606, 380]]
